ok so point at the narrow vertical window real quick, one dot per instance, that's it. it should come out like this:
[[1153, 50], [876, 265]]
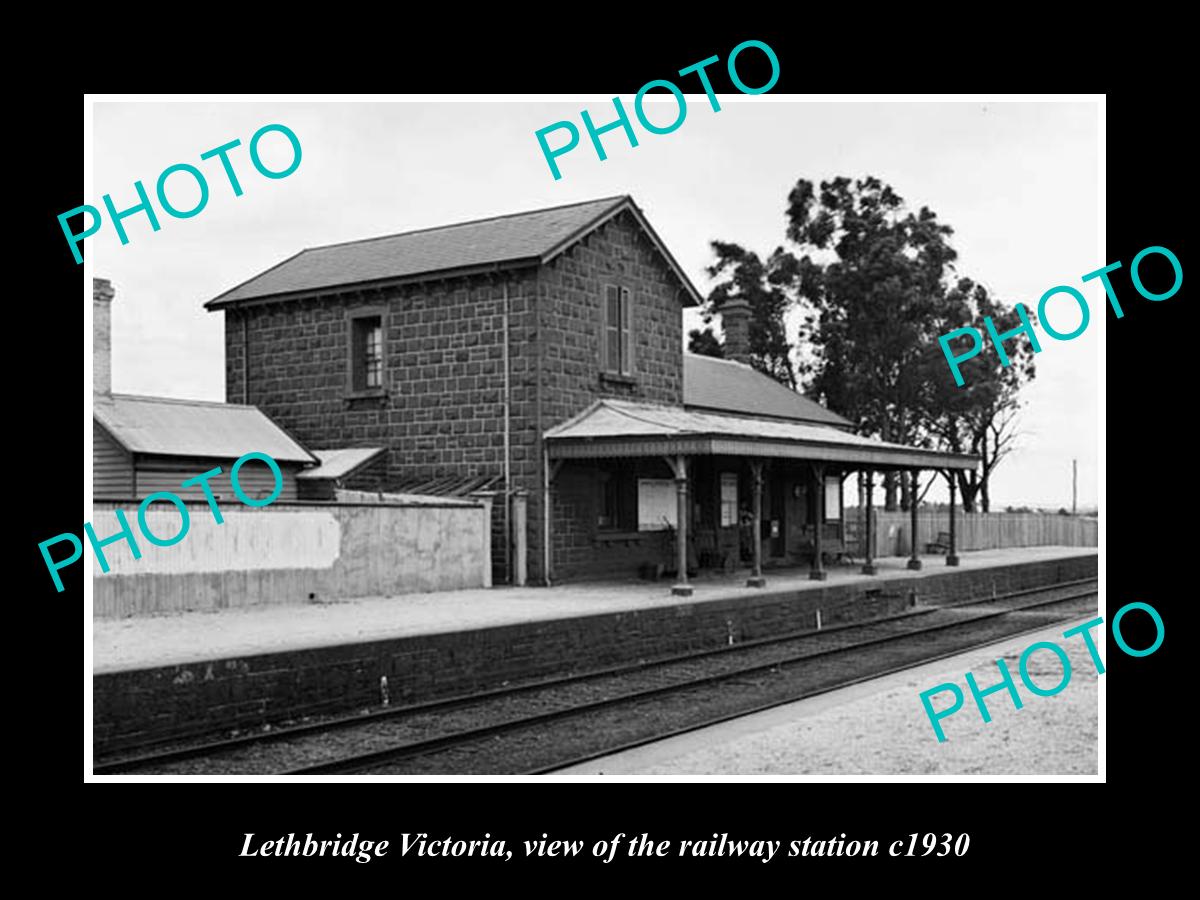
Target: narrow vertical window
[[612, 328], [616, 501], [366, 352], [373, 354], [609, 502], [626, 333], [616, 346]]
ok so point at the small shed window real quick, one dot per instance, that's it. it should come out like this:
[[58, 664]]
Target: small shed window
[[616, 345], [366, 351]]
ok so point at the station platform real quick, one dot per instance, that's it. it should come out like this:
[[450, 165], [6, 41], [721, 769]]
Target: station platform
[[203, 672], [138, 643]]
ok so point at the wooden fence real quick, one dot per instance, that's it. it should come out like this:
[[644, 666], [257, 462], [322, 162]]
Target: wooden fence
[[973, 531]]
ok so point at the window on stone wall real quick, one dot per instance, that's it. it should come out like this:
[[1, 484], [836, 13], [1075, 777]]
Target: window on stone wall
[[615, 512], [729, 499], [607, 507], [616, 344], [366, 351]]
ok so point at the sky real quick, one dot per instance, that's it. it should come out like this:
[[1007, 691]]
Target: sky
[[1018, 182]]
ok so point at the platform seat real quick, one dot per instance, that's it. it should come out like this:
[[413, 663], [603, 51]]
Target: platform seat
[[941, 545]]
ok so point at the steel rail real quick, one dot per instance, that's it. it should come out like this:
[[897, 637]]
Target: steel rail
[[125, 764], [408, 751]]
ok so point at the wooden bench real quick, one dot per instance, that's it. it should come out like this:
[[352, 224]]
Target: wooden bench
[[941, 545], [833, 551], [845, 556]]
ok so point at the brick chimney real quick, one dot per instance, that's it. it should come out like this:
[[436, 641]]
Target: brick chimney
[[735, 322], [102, 297]]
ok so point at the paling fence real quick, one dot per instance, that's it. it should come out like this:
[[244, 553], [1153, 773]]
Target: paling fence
[[973, 531]]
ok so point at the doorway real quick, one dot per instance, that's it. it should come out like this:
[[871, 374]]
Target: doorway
[[774, 523]]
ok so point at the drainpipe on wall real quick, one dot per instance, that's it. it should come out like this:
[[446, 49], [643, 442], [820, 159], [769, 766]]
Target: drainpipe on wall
[[545, 514], [520, 501], [245, 357], [544, 455], [508, 536]]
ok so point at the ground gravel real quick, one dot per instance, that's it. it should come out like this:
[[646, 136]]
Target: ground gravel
[[881, 727]]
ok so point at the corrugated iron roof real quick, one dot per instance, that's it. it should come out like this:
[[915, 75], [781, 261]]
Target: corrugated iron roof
[[614, 420], [621, 418], [168, 427], [340, 462], [350, 496], [447, 485], [729, 386], [533, 237]]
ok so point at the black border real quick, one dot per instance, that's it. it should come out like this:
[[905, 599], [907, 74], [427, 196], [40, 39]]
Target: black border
[[143, 834]]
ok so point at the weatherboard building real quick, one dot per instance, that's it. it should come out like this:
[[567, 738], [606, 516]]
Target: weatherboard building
[[540, 356]]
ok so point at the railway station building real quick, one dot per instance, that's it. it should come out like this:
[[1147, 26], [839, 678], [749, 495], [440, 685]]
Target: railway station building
[[540, 356]]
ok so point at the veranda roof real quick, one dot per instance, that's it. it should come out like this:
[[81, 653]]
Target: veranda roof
[[618, 428]]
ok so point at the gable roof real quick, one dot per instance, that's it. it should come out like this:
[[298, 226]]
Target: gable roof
[[163, 426], [620, 428], [733, 387], [517, 239]]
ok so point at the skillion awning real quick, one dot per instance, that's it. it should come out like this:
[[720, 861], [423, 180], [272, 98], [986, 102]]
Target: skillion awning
[[617, 428]]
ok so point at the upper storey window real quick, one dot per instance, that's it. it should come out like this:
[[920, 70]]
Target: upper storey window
[[366, 352], [616, 343]]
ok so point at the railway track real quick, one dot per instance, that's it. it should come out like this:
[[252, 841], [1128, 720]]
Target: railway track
[[538, 727]]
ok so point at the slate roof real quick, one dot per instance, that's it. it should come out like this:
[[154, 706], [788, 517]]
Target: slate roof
[[340, 462], [163, 426], [734, 387], [624, 426], [518, 238]]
